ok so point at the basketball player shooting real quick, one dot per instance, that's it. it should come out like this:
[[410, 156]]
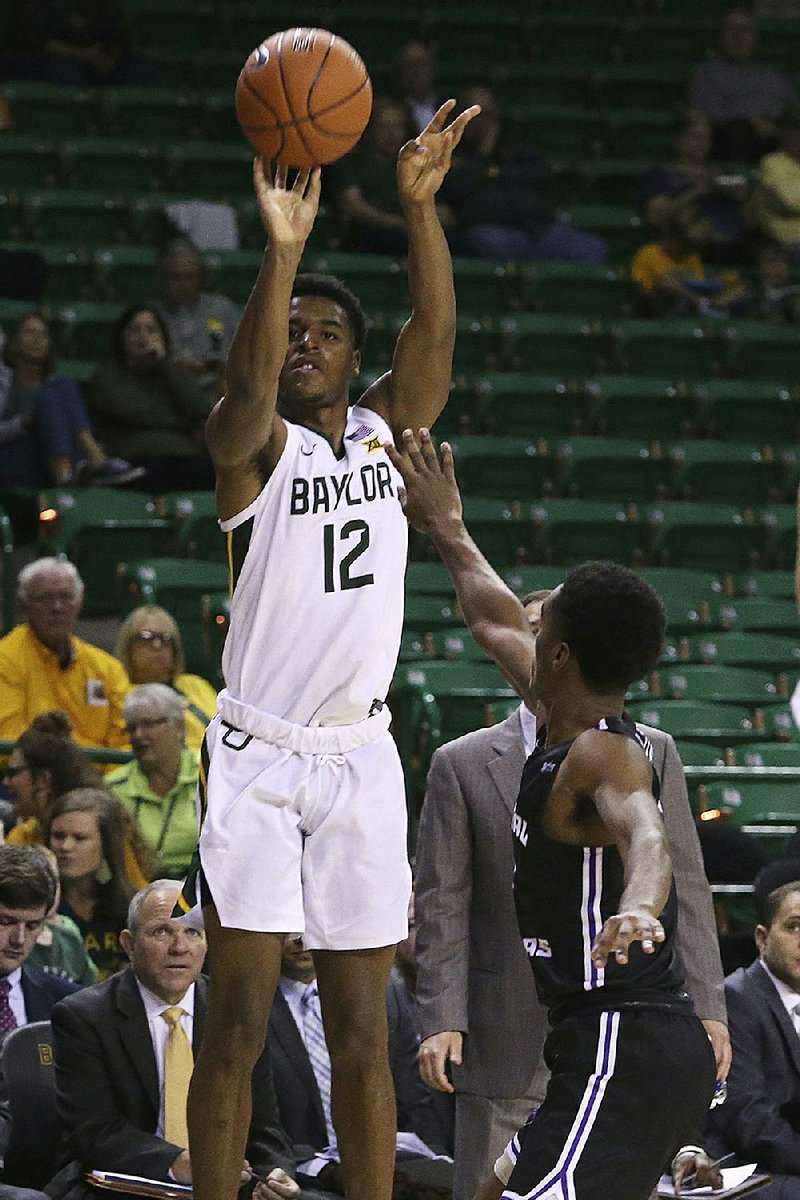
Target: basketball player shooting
[[305, 823]]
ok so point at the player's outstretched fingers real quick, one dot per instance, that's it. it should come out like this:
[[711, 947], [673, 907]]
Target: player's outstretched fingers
[[428, 450], [301, 181], [280, 176], [400, 461], [461, 122], [436, 123], [605, 942], [411, 448]]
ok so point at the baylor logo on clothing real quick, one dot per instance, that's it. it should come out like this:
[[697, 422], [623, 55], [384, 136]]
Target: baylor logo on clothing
[[326, 493]]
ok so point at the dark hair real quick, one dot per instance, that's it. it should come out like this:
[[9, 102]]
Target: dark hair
[[775, 899], [113, 896], [311, 284], [25, 879], [613, 622], [10, 347], [123, 321], [46, 746]]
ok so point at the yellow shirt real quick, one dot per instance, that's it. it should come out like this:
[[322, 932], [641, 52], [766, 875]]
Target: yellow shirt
[[777, 197], [202, 699], [651, 262], [90, 690]]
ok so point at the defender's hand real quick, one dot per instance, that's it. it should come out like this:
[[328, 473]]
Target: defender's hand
[[432, 498], [636, 925], [423, 163]]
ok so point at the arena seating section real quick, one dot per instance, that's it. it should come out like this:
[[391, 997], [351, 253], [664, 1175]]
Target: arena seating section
[[580, 431]]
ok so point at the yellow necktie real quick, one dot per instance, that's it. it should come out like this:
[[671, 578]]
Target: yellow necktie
[[178, 1067]]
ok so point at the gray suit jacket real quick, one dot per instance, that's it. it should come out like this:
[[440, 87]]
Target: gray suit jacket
[[472, 972]]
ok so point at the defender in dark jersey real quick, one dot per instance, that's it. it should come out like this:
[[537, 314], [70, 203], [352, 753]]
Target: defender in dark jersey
[[632, 1068]]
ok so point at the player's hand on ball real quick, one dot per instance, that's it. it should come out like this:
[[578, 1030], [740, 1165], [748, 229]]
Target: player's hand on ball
[[423, 163], [636, 925], [287, 210], [432, 498]]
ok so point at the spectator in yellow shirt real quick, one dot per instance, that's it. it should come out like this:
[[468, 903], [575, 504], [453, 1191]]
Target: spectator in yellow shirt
[[44, 666], [777, 192], [150, 649]]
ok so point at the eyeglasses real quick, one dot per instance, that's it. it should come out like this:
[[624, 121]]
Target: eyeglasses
[[48, 599], [146, 724], [157, 639], [13, 772]]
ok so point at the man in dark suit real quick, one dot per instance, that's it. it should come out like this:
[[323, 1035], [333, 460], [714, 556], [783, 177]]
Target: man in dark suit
[[112, 1070], [473, 976], [27, 891], [760, 1120], [301, 1069]]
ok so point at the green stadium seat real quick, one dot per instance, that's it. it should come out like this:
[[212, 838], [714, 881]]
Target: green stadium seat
[[678, 347], [455, 645], [96, 528], [687, 720], [429, 579], [117, 166], [636, 406], [63, 112], [770, 754], [478, 344], [756, 805], [126, 273], [199, 534], [687, 617], [79, 369], [29, 161], [738, 685], [614, 469], [563, 287], [459, 416], [553, 344], [85, 328], [761, 614], [486, 288], [587, 37], [698, 754], [562, 130], [170, 23], [12, 311], [657, 86], [766, 651], [426, 613], [468, 28], [523, 580], [179, 585], [213, 170], [674, 38], [713, 536], [504, 466], [69, 273], [12, 217], [749, 410], [645, 131], [503, 531], [619, 226], [539, 83], [612, 180], [217, 109], [731, 473], [687, 585], [778, 585], [76, 218], [780, 522], [765, 351], [572, 531], [165, 114], [532, 406]]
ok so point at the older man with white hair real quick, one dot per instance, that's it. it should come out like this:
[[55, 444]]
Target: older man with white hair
[[44, 666], [158, 788]]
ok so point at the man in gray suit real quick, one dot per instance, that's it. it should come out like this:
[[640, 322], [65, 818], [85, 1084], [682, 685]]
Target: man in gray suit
[[473, 975]]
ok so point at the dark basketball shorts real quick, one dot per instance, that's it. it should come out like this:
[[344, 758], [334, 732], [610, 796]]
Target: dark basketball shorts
[[627, 1088]]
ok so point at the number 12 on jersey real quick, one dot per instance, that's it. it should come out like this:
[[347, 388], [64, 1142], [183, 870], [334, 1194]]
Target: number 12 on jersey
[[346, 580]]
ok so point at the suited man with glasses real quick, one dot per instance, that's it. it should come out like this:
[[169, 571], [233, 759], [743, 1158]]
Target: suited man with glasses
[[158, 787]]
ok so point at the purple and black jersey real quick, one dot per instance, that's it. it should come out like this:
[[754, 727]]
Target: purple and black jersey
[[564, 893]]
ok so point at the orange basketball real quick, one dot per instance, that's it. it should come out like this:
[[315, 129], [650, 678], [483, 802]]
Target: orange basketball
[[303, 97]]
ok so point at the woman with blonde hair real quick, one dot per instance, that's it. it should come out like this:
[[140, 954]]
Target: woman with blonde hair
[[150, 648]]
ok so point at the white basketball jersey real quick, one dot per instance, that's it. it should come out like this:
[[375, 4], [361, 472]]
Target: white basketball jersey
[[317, 566]]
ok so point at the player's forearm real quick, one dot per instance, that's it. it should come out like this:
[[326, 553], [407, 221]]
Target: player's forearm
[[259, 345], [430, 272], [648, 869]]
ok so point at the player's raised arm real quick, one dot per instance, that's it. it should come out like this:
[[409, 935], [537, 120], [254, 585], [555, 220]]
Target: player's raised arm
[[244, 420], [415, 391], [494, 615]]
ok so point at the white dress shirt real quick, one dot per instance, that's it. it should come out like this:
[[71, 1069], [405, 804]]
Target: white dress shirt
[[16, 997], [528, 722], [154, 1006]]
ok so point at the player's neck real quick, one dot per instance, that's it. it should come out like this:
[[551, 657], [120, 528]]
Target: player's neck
[[329, 420], [571, 713]]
